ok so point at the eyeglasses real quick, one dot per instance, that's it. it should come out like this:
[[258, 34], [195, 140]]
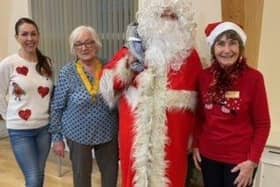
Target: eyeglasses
[[171, 16], [168, 13], [88, 44]]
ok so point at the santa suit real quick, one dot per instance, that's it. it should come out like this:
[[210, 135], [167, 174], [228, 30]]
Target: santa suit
[[156, 118]]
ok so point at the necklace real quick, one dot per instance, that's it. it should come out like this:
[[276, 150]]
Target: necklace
[[92, 87]]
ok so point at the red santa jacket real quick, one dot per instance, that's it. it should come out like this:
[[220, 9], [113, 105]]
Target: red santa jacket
[[156, 118]]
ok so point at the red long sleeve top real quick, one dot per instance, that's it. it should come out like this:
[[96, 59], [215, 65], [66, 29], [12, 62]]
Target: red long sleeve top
[[238, 130]]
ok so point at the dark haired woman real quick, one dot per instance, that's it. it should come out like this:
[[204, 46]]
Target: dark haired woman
[[234, 120], [26, 86]]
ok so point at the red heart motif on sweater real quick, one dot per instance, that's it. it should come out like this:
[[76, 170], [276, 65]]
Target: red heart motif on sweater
[[22, 70], [43, 91], [24, 114]]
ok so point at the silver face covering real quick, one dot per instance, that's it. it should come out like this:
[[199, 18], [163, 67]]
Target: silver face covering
[[135, 46]]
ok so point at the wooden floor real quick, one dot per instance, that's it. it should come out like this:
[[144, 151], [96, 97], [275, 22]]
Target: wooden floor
[[10, 174]]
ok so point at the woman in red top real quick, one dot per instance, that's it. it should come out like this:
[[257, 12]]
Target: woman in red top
[[234, 121]]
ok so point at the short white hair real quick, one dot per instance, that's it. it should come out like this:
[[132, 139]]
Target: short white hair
[[75, 34]]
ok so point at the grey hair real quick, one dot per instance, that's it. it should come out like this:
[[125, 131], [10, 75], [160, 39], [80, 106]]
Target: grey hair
[[229, 34], [78, 31]]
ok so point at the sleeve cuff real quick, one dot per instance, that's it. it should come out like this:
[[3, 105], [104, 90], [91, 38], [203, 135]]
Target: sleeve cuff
[[57, 137]]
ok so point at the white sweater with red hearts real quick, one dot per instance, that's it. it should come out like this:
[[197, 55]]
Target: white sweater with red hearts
[[24, 94]]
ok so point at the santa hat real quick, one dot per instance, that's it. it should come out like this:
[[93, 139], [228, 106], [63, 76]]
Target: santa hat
[[215, 29]]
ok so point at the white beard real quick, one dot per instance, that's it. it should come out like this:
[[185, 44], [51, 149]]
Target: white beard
[[167, 42]]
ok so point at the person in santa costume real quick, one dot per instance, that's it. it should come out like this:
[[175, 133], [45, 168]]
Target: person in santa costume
[[233, 113], [154, 80]]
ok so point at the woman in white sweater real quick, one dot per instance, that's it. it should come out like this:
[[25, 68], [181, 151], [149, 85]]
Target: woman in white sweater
[[26, 87]]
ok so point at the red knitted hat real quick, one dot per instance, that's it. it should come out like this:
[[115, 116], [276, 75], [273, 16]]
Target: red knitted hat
[[215, 29]]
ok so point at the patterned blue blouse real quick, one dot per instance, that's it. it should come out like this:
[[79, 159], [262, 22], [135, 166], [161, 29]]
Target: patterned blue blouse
[[76, 116]]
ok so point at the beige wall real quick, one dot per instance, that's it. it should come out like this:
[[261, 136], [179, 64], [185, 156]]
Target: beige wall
[[269, 62], [4, 20], [205, 15], [10, 11]]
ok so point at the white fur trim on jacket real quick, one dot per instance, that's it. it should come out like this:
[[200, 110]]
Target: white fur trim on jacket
[[181, 100], [107, 88], [121, 73], [176, 99], [150, 130], [149, 102]]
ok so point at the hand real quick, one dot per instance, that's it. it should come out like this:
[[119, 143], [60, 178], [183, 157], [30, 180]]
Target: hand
[[59, 148], [1, 118], [197, 158], [131, 59], [245, 176]]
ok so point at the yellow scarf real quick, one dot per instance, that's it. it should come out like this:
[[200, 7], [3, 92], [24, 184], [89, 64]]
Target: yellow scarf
[[92, 88]]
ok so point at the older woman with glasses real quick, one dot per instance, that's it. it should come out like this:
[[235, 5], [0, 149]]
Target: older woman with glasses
[[80, 115]]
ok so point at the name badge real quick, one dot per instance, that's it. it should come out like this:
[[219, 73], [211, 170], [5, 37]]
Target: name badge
[[232, 94]]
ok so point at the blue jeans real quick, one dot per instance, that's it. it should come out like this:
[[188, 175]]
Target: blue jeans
[[31, 149]]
